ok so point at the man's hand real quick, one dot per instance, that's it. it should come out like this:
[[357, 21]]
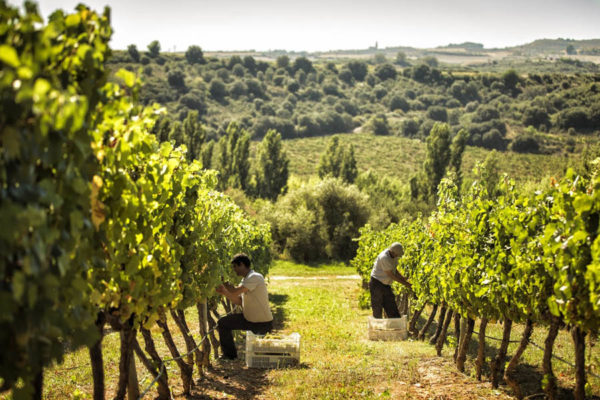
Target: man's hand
[[232, 294], [222, 289]]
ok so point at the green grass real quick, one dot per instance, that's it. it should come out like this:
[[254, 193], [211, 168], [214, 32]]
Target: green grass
[[402, 157], [290, 268], [337, 359], [338, 362]]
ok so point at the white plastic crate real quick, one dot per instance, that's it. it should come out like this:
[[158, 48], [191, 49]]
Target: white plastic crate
[[272, 351], [388, 329]]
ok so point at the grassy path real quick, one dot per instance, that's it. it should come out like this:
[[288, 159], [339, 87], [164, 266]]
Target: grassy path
[[337, 360]]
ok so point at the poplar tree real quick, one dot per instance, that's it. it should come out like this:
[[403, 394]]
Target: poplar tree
[[338, 162], [348, 169], [233, 158], [457, 149], [193, 135], [272, 167], [162, 129], [330, 161], [207, 154], [176, 133], [438, 157]]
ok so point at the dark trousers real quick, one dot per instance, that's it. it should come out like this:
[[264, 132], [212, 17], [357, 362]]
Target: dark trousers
[[232, 322], [382, 297]]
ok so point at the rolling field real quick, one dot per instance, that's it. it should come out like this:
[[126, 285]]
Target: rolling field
[[402, 157]]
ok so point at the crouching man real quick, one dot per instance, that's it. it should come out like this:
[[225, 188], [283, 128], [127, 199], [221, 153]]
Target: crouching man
[[253, 297]]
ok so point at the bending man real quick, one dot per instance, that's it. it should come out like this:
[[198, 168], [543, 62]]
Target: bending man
[[383, 274]]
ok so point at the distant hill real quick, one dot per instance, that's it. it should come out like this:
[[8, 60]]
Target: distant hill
[[554, 46], [466, 53]]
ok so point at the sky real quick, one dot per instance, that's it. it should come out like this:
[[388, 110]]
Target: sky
[[321, 25]]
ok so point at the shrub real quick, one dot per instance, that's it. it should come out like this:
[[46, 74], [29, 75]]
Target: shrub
[[264, 124], [576, 118], [437, 113], [223, 74], [217, 89], [349, 107], [471, 106], [304, 64], [525, 144], [278, 80], [398, 102], [176, 79], [453, 103], [237, 89], [358, 69], [267, 109], [307, 126], [426, 127], [378, 125], [255, 88], [386, 71], [409, 127], [194, 55], [485, 113], [238, 70], [380, 92], [311, 94], [331, 89], [493, 140], [371, 80], [536, 117], [319, 220], [293, 87], [194, 100], [346, 76]]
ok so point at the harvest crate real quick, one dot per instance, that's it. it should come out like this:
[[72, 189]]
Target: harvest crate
[[272, 351], [387, 328]]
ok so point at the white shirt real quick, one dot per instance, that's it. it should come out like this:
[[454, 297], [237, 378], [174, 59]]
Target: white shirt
[[383, 263], [255, 302]]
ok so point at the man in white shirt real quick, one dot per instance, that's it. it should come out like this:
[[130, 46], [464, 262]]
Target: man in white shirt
[[383, 274], [253, 297]]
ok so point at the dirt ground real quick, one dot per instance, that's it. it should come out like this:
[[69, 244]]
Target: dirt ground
[[438, 380]]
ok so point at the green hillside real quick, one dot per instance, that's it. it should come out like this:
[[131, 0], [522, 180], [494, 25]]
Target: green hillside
[[302, 96], [402, 157]]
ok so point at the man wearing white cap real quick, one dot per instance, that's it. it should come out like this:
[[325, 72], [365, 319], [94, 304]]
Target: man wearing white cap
[[383, 274]]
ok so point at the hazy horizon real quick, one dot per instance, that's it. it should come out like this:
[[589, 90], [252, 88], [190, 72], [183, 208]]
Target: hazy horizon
[[312, 25]]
